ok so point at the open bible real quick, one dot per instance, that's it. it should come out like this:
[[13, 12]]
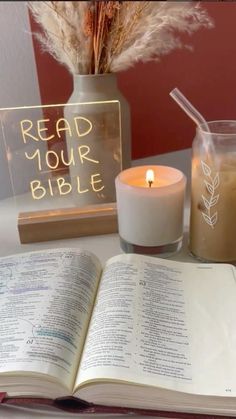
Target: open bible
[[141, 333]]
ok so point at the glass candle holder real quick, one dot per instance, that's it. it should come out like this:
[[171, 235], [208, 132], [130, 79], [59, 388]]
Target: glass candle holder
[[213, 193], [150, 211]]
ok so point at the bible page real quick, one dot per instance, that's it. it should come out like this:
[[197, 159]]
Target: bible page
[[163, 323], [46, 299]]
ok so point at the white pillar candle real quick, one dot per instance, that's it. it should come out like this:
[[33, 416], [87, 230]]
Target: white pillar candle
[[150, 213]]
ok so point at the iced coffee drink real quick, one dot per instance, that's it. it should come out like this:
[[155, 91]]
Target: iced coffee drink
[[213, 200], [213, 208]]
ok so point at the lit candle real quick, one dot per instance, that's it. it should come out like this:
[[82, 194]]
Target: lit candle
[[150, 204], [150, 177]]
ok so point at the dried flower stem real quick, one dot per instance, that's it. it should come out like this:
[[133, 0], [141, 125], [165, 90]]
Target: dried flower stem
[[125, 31]]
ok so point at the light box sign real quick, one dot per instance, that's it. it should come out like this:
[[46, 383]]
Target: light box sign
[[63, 155]]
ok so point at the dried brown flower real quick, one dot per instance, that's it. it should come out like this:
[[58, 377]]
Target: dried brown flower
[[88, 23]]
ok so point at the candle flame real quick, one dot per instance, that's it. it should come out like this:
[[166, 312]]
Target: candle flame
[[150, 177]]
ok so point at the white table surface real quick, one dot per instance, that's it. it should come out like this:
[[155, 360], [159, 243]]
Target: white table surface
[[104, 247]]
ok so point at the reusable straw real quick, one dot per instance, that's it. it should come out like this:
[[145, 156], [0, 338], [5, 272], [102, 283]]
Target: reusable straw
[[195, 115], [190, 110]]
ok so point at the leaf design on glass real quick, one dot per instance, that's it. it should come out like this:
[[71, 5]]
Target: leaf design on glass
[[216, 181], [209, 187], [206, 202], [214, 218], [214, 200], [206, 218], [206, 169], [211, 221]]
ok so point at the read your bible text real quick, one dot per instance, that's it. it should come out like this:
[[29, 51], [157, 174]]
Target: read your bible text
[[79, 127]]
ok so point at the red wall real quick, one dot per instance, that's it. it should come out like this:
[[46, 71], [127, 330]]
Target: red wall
[[207, 76]]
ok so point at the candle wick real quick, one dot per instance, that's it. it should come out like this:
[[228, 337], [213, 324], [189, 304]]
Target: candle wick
[[150, 183]]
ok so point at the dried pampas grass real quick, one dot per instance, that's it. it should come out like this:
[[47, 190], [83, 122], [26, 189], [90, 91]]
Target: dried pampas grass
[[92, 37]]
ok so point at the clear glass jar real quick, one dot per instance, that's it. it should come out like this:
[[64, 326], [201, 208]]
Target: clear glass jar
[[213, 193]]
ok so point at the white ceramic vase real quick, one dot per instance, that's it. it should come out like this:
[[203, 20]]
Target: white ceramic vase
[[100, 137]]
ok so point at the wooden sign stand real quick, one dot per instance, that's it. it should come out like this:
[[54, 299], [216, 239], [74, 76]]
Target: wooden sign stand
[[67, 223]]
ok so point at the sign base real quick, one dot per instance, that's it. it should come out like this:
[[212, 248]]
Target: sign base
[[67, 223]]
